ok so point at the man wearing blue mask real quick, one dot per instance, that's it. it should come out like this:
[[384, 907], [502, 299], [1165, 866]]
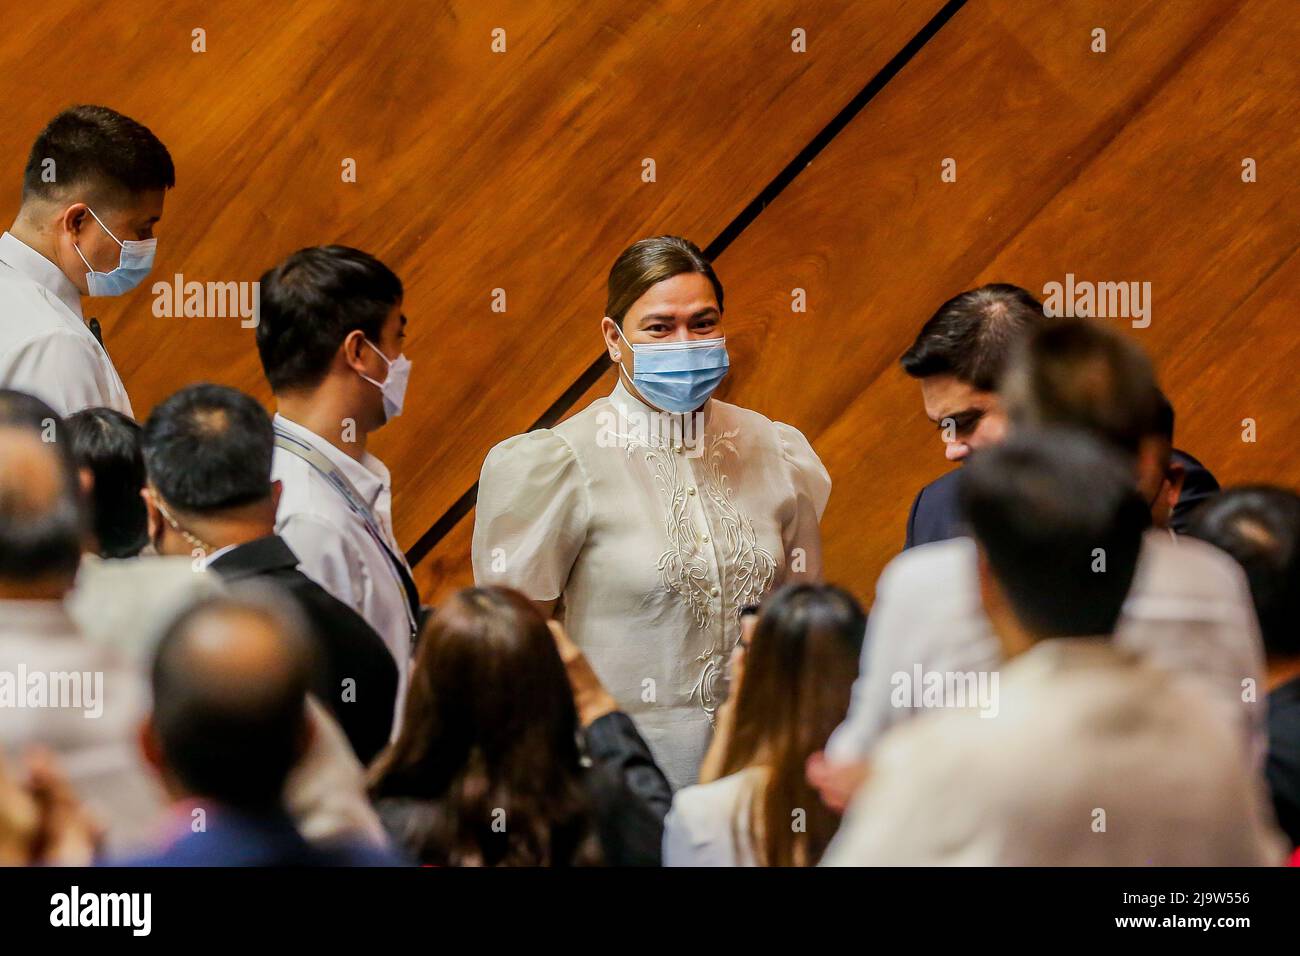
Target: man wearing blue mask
[[93, 191]]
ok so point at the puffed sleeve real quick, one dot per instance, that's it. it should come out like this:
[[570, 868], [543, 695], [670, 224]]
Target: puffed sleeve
[[531, 518], [811, 482]]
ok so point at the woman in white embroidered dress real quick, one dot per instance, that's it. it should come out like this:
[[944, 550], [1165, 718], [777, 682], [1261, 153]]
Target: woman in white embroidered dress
[[649, 519]]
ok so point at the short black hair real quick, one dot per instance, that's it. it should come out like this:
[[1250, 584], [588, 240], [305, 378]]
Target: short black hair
[[1259, 525], [208, 448], [309, 304], [225, 736], [971, 335], [1081, 374], [107, 444], [1040, 505], [99, 147]]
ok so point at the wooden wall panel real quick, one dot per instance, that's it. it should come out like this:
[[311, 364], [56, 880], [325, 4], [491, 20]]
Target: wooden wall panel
[[1111, 166], [475, 170], [1117, 166]]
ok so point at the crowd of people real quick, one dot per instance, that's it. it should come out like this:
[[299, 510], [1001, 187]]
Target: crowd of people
[[213, 651]]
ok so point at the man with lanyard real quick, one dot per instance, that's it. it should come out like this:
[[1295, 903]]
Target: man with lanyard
[[330, 337], [92, 192]]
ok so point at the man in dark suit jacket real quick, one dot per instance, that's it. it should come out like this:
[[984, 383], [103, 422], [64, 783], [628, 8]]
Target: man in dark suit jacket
[[1260, 527], [229, 721], [354, 658], [959, 357], [208, 453]]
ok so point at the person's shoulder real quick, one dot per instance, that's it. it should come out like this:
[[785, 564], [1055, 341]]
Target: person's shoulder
[[938, 493], [18, 292], [931, 566], [540, 442], [704, 808], [1184, 566]]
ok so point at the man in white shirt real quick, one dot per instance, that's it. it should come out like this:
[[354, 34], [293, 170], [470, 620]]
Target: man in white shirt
[[1189, 610], [92, 193], [1083, 753], [330, 340]]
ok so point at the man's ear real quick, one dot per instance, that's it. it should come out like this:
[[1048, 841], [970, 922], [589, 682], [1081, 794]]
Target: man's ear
[[277, 488], [74, 218], [353, 349], [86, 481], [153, 516]]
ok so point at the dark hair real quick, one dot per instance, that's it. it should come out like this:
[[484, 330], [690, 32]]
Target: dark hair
[[40, 532], [1259, 525], [972, 334], [107, 444], [1040, 506], [99, 147], [209, 447], [651, 261], [490, 726], [309, 304], [226, 732], [1078, 373], [799, 671]]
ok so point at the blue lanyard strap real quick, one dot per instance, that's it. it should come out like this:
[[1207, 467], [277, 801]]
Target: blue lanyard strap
[[340, 483]]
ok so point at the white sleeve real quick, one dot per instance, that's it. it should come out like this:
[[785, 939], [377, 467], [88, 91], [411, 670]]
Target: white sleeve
[[678, 845], [870, 710], [531, 519], [61, 368], [326, 555], [801, 535]]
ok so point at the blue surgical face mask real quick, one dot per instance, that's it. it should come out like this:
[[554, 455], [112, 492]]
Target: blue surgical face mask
[[679, 377], [133, 264]]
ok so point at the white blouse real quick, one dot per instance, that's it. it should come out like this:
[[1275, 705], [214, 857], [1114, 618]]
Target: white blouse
[[654, 537]]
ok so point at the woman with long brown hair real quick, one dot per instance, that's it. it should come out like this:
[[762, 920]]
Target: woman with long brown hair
[[649, 519], [488, 766], [790, 689]]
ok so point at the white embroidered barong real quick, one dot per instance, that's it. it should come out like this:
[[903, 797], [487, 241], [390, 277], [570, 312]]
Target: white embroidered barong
[[654, 531]]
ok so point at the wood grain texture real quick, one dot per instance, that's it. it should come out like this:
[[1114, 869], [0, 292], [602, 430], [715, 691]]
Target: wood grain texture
[[475, 170], [521, 171], [1123, 166]]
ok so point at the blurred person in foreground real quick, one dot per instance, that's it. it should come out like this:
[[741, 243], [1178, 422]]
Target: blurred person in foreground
[[116, 611], [1084, 754], [1260, 527], [511, 752], [79, 700], [790, 685], [228, 724], [1189, 611]]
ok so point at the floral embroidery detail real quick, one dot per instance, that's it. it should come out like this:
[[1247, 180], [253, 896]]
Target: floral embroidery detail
[[746, 571]]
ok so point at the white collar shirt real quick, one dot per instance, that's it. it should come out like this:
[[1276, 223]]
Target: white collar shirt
[[45, 347], [333, 545]]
